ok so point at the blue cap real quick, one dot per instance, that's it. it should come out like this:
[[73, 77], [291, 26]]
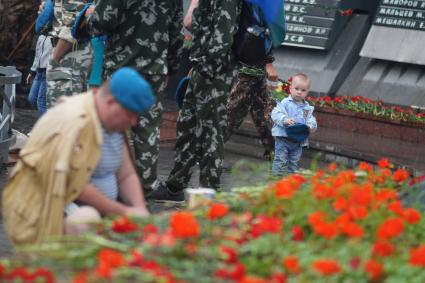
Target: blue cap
[[131, 90], [297, 133]]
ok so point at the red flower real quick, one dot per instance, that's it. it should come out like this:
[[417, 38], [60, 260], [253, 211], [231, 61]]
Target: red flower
[[326, 230], [291, 264], [347, 12], [237, 272], [263, 224], [411, 215], [277, 278], [326, 266], [365, 166], [44, 273], [297, 233], [150, 229], [390, 228], [231, 254], [382, 248], [184, 225], [417, 256], [355, 262], [217, 210], [400, 175], [2, 269], [374, 269], [384, 163], [123, 225]]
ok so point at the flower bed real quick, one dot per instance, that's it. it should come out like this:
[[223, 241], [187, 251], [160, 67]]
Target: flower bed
[[331, 226], [358, 104]]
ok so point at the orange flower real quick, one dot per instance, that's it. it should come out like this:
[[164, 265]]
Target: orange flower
[[326, 230], [107, 261], [264, 224], [217, 210], [81, 277], [382, 248], [417, 256], [365, 166], [184, 225], [396, 207], [322, 191], [252, 279], [411, 215], [352, 230], [286, 187], [332, 166], [400, 175], [357, 212], [384, 163], [326, 266], [390, 228], [340, 204], [374, 269], [291, 264]]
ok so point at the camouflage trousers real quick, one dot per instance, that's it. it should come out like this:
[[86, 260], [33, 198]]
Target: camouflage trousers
[[146, 136], [200, 131], [70, 75], [249, 94]]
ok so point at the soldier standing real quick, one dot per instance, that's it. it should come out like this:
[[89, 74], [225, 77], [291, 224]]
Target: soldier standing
[[68, 69], [249, 93], [147, 36], [202, 120]]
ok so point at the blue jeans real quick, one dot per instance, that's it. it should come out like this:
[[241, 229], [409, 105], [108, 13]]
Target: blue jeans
[[37, 95], [286, 156]]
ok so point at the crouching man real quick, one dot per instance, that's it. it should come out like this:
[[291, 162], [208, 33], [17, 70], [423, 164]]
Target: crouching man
[[77, 156]]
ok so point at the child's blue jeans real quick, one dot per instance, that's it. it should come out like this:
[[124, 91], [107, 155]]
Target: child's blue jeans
[[286, 156], [37, 95]]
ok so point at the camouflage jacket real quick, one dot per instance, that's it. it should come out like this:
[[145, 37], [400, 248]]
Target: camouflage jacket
[[143, 34], [214, 25], [65, 14]]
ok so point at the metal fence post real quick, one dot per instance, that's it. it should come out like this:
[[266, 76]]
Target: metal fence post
[[9, 77]]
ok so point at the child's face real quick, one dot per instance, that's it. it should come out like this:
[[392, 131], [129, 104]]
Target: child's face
[[299, 88]]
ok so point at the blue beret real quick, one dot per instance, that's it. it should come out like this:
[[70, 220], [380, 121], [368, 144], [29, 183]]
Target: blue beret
[[298, 132], [45, 18], [131, 90]]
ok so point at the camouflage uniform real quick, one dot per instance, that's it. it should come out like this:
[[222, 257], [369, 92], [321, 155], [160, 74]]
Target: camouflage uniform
[[202, 120], [249, 93], [70, 75], [145, 35]]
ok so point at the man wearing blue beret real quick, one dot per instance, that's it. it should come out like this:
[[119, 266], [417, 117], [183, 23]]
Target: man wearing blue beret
[[77, 162]]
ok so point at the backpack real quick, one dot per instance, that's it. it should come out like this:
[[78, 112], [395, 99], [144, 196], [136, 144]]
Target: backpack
[[252, 42]]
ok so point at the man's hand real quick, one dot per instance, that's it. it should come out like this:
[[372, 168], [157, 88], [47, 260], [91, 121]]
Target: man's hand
[[271, 72], [89, 11], [289, 122], [29, 79], [41, 7], [136, 211]]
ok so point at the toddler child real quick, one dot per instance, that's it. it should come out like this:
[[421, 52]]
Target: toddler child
[[293, 121]]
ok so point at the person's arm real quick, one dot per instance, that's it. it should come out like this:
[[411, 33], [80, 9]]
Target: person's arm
[[130, 188], [176, 37], [280, 115], [271, 72], [93, 197], [187, 22], [311, 121], [106, 16]]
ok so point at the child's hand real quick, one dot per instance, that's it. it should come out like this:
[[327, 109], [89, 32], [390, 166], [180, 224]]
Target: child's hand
[[289, 122], [29, 79]]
